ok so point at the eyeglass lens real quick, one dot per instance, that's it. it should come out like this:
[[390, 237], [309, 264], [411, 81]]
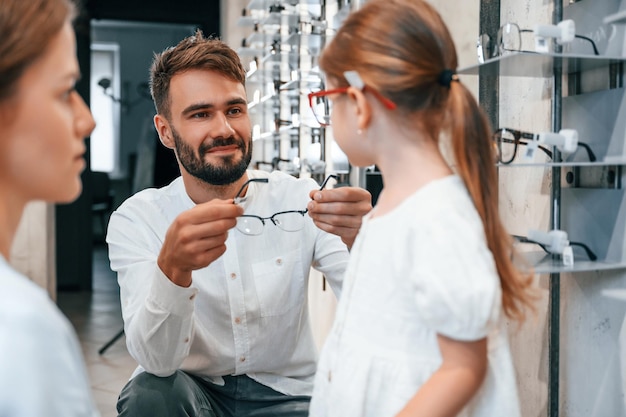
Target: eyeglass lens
[[509, 38], [289, 221], [321, 110], [506, 146]]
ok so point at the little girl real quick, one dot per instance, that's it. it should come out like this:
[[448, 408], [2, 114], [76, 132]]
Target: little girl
[[420, 328]]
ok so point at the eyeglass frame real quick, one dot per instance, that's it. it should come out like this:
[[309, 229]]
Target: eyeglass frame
[[238, 199], [343, 90], [518, 135], [523, 239], [497, 49]]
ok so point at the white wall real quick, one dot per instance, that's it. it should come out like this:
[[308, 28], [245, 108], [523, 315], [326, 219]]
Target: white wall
[[32, 252]]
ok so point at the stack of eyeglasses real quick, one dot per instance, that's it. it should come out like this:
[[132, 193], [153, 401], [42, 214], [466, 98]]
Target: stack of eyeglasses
[[506, 142], [289, 220]]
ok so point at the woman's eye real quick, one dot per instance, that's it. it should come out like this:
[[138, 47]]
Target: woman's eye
[[67, 94]]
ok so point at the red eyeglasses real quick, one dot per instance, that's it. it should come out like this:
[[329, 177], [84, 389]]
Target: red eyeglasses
[[321, 106]]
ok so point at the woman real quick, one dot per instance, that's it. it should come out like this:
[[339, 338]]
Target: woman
[[43, 123]]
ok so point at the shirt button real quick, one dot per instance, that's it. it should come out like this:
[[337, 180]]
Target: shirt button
[[192, 296], [186, 340], [233, 276], [329, 376], [242, 359], [279, 261], [237, 320]]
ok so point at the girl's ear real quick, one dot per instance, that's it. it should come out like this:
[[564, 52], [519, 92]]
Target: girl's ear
[[362, 106], [163, 129]]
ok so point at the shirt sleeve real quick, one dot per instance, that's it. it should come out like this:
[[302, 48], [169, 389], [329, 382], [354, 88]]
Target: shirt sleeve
[[457, 289], [157, 314]]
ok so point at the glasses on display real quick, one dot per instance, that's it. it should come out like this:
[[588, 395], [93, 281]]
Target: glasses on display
[[289, 221], [509, 39], [506, 142], [523, 239], [320, 105]]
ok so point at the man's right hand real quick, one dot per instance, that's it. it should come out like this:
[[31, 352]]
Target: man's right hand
[[196, 238]]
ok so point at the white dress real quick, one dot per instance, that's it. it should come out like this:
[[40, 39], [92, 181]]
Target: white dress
[[42, 372], [421, 270]]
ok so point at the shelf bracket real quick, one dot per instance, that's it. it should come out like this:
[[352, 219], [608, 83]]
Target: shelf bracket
[[605, 176]]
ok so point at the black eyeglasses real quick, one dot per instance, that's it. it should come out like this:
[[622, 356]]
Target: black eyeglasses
[[509, 39], [506, 141], [523, 239], [289, 221]]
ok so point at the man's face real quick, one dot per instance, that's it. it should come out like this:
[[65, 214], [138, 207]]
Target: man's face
[[209, 127]]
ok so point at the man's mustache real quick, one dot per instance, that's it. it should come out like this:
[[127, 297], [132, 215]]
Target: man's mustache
[[216, 143]]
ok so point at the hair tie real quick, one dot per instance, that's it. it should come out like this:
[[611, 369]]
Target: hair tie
[[447, 76]]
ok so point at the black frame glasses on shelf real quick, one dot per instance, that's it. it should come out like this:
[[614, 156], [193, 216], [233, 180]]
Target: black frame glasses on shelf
[[509, 39], [590, 254], [289, 220], [506, 147]]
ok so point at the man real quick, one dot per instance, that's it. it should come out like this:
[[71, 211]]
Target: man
[[214, 287]]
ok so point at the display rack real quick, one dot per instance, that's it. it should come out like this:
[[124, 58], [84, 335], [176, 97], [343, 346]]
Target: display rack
[[286, 39], [589, 209]]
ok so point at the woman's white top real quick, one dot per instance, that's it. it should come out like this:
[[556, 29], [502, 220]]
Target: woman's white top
[[42, 372], [418, 271]]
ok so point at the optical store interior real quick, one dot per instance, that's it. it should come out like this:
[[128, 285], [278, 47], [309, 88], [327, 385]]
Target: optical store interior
[[549, 76]]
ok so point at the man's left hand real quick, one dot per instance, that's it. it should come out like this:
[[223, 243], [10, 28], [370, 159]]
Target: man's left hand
[[340, 210]]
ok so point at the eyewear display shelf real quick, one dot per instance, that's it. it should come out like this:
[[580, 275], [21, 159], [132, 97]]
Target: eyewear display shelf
[[589, 196], [287, 37], [587, 199]]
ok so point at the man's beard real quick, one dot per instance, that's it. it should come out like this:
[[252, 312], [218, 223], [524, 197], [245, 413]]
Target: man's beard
[[224, 174]]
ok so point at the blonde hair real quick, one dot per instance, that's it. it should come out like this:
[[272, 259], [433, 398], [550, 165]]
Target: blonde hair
[[402, 48]]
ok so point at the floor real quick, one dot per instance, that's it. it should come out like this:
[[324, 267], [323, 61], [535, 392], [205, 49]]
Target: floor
[[97, 318]]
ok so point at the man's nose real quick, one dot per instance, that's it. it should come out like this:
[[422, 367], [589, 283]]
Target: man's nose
[[222, 126]]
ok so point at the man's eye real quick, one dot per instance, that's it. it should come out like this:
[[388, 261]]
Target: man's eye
[[235, 110], [200, 115]]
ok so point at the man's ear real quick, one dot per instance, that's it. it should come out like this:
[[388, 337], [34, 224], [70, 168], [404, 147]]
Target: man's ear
[[362, 106], [162, 126]]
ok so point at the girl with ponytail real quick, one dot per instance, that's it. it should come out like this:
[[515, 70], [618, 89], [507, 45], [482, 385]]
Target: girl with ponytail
[[421, 324]]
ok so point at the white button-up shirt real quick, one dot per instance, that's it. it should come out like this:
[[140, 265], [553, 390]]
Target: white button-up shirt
[[247, 312]]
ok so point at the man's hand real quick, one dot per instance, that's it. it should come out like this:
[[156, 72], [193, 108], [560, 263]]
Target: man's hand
[[196, 238], [339, 211]]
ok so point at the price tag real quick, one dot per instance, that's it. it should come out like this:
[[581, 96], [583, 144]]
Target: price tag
[[541, 44], [531, 147]]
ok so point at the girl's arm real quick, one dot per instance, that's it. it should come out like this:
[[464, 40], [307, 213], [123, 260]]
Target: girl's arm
[[454, 384]]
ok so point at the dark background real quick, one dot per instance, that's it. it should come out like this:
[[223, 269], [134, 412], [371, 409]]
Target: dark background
[[73, 222]]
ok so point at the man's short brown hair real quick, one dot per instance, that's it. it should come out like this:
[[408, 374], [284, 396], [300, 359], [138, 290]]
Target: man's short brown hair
[[193, 52]]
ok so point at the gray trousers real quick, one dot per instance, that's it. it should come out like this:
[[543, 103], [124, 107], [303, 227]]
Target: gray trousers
[[185, 395]]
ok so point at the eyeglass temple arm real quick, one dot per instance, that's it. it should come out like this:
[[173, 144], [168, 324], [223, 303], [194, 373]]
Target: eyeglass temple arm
[[589, 252], [326, 180], [322, 187], [586, 248], [592, 156], [593, 44], [248, 182]]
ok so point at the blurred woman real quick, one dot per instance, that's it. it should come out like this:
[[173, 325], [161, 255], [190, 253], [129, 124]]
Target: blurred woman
[[43, 123]]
